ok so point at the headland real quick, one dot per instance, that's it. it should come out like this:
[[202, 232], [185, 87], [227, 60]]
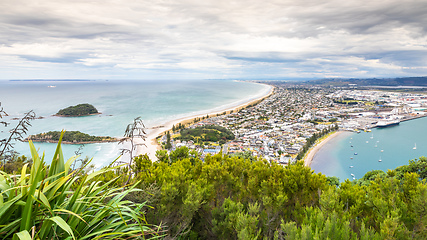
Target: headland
[[153, 133]]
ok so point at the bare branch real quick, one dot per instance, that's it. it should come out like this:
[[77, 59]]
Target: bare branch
[[16, 134]]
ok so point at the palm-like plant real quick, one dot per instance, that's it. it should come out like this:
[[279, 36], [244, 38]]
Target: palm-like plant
[[54, 203]]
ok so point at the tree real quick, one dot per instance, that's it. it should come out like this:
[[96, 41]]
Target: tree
[[162, 156], [168, 141], [179, 154], [135, 135]]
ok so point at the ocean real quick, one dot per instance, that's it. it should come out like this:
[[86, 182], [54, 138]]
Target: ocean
[[394, 146], [156, 102]]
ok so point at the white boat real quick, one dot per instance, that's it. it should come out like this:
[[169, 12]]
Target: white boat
[[350, 166], [367, 141], [415, 148], [388, 123], [380, 159], [372, 137], [352, 175], [382, 150], [51, 86]]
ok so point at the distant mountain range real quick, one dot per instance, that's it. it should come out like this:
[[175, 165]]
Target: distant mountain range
[[406, 81]]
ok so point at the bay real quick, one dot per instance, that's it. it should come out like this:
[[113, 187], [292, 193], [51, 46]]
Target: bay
[[394, 146], [156, 102]]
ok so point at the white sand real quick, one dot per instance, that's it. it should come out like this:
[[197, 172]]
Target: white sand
[[152, 133]]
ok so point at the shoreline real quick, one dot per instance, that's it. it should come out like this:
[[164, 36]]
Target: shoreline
[[153, 133], [308, 159], [71, 143]]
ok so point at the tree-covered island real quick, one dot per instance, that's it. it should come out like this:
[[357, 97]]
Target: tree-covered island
[[84, 109], [70, 137]]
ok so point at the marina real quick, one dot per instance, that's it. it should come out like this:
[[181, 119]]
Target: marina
[[388, 148]]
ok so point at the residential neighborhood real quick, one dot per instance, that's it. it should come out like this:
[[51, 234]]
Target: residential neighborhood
[[277, 128]]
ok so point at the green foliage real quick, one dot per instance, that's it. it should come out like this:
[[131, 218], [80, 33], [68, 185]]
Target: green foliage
[[78, 110], [162, 156], [52, 202], [69, 136], [208, 133], [231, 197], [193, 195], [15, 164], [168, 144], [333, 181]]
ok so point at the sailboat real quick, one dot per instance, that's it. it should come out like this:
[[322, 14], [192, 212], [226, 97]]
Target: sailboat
[[415, 146], [380, 160]]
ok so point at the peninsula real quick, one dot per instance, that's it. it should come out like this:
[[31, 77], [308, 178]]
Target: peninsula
[[79, 110], [70, 137]]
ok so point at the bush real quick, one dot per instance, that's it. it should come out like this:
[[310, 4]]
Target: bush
[[52, 202]]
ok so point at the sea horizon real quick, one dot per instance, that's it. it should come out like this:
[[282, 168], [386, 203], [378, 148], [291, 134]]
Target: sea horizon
[[158, 102]]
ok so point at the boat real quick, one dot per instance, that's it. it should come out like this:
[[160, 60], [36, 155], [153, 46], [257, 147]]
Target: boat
[[355, 153], [351, 145], [367, 141], [388, 123], [415, 148], [372, 137], [382, 150], [380, 160], [352, 175], [51, 86], [351, 157], [350, 166]]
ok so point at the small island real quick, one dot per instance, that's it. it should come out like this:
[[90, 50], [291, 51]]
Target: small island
[[70, 137], [79, 110]]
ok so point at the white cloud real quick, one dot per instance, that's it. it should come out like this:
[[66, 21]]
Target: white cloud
[[251, 38]]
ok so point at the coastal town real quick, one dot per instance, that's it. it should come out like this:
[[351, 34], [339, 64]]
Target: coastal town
[[278, 127]]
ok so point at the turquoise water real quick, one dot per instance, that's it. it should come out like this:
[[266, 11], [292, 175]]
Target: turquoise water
[[393, 145], [157, 102]]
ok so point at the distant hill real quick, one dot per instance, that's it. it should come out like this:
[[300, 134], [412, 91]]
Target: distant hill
[[77, 111], [406, 81]]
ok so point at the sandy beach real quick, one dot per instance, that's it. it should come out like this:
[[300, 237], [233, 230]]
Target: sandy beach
[[152, 133], [312, 152]]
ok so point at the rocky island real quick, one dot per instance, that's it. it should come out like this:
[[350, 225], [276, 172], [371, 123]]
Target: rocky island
[[70, 137], [79, 110]]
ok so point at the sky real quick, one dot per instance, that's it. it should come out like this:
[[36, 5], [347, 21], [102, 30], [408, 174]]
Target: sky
[[204, 39]]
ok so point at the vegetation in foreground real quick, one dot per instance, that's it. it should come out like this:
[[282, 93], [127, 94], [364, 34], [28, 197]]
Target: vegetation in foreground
[[54, 202], [69, 137], [226, 197], [84, 109]]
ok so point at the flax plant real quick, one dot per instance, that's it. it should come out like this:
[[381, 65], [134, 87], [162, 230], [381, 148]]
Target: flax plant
[[53, 202]]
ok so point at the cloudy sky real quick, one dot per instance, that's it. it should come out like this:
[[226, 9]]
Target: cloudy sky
[[199, 39]]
